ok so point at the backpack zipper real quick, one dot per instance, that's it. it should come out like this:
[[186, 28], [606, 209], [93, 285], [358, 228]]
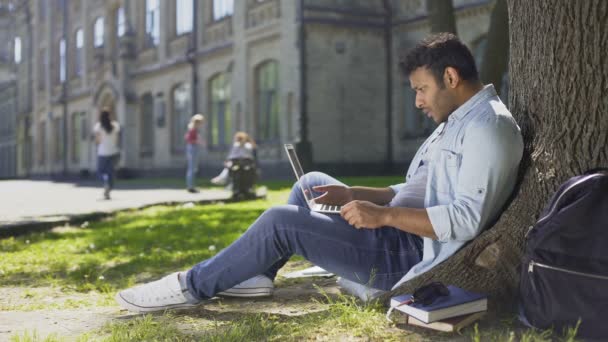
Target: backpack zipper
[[534, 263], [563, 193]]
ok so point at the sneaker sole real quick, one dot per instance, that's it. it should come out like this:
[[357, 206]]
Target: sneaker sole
[[136, 308], [249, 292]]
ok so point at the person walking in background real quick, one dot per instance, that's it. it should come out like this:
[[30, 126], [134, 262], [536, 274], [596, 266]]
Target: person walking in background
[[193, 141], [108, 153], [243, 148]]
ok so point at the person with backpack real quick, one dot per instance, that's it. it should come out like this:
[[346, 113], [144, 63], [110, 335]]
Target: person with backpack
[[457, 185], [106, 133]]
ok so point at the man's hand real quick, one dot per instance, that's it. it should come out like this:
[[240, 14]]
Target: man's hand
[[363, 214], [333, 194]]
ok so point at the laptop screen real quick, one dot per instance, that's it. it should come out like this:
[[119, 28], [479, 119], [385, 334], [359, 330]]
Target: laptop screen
[[297, 169], [295, 162]]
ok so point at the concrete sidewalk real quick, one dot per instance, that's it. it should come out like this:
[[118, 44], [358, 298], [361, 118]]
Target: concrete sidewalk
[[34, 205]]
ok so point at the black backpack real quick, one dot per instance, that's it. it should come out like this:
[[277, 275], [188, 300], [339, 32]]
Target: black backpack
[[564, 274]]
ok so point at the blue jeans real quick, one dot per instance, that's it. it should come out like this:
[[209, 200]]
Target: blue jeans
[[192, 158], [105, 169], [377, 257]]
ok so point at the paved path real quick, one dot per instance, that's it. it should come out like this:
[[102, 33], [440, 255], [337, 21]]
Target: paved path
[[28, 201]]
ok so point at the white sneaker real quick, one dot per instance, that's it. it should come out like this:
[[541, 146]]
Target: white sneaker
[[158, 295], [258, 286]]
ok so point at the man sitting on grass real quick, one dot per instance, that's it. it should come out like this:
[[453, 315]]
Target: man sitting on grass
[[457, 184]]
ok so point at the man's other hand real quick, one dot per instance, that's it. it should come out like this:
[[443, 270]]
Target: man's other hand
[[363, 214], [334, 194]]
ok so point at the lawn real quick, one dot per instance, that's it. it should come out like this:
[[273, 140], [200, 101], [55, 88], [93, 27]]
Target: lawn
[[79, 269]]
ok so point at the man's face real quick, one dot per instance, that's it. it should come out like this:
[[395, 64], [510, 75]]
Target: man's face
[[436, 102]]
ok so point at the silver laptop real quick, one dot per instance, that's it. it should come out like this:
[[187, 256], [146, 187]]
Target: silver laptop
[[305, 186]]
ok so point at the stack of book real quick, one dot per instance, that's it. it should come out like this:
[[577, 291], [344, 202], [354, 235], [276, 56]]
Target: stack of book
[[449, 313]]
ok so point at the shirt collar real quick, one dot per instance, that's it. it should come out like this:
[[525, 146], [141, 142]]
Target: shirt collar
[[482, 95]]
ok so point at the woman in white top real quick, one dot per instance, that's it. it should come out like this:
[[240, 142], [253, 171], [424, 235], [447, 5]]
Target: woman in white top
[[108, 153]]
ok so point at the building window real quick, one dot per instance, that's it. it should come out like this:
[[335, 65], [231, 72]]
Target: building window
[[62, 60], [152, 22], [267, 101], [79, 60], [42, 143], [417, 124], [220, 118], [57, 140], [98, 32], [146, 140], [180, 116], [183, 16], [42, 9], [121, 25], [222, 9], [17, 50], [75, 135], [42, 65]]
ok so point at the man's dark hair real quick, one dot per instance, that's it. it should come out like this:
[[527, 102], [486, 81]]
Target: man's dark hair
[[437, 52]]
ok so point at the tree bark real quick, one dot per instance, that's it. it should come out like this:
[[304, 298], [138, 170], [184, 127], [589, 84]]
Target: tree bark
[[559, 80], [496, 54], [441, 16]]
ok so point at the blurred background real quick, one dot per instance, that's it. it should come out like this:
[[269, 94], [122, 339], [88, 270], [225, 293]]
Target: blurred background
[[322, 74]]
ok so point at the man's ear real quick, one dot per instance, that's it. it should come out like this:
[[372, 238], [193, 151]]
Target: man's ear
[[451, 78]]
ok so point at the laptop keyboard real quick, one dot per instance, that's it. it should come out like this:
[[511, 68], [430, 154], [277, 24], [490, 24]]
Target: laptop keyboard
[[327, 207]]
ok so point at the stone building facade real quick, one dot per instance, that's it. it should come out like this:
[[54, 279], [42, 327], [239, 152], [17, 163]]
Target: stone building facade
[[320, 73]]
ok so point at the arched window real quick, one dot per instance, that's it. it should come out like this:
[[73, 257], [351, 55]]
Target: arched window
[[220, 116], [180, 116], [98, 32], [17, 50], [183, 16], [267, 101], [146, 134], [79, 57]]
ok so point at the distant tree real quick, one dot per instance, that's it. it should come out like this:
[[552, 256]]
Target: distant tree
[[496, 54], [441, 15], [559, 79]]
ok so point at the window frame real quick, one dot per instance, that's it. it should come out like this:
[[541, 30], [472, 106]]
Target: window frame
[[17, 50], [99, 32], [265, 133], [181, 7], [121, 22], [226, 10], [152, 28], [79, 52], [220, 82], [179, 122]]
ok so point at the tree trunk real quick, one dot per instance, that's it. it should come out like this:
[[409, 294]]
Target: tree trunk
[[559, 80], [496, 55], [441, 15]]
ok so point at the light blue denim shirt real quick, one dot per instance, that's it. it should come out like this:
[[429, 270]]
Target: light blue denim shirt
[[472, 172]]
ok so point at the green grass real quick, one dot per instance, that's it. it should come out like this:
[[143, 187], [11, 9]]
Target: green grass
[[85, 266]]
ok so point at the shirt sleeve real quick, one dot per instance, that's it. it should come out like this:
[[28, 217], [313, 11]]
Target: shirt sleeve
[[397, 187], [486, 177]]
